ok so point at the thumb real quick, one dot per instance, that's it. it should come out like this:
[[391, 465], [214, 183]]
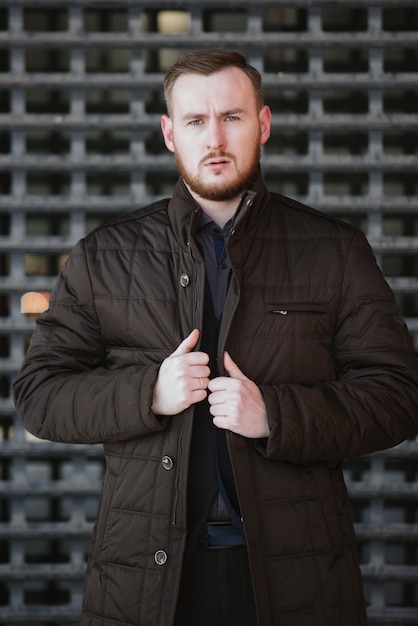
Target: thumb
[[232, 368], [187, 344]]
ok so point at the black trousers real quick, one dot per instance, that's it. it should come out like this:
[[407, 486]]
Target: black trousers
[[215, 589]]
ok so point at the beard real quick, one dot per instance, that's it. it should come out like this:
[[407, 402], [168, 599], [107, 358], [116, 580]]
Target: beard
[[223, 190]]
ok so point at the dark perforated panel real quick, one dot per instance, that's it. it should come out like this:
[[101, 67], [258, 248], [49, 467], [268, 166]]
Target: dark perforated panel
[[80, 101]]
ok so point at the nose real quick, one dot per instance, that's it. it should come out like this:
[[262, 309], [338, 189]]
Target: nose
[[216, 135]]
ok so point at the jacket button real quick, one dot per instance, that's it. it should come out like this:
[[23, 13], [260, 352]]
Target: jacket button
[[184, 280], [160, 557], [167, 462]]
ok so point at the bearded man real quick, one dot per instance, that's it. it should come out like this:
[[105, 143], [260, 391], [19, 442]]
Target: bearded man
[[229, 347]]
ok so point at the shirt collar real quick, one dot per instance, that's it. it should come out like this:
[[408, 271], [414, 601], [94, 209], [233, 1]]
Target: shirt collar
[[207, 224]]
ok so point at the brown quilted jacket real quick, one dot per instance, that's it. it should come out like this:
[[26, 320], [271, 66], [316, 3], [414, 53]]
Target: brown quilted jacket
[[308, 317]]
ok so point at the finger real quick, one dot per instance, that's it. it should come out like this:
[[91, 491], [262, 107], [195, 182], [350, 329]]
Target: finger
[[222, 383], [199, 360], [187, 344], [218, 384], [200, 384], [232, 368], [221, 422], [198, 395], [201, 371], [216, 396]]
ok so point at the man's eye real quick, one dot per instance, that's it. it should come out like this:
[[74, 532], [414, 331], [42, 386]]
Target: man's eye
[[195, 122], [231, 118]]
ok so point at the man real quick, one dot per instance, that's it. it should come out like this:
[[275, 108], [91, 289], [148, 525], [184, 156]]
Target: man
[[229, 347]]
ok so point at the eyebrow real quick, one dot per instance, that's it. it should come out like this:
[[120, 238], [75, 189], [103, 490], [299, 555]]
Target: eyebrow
[[193, 116]]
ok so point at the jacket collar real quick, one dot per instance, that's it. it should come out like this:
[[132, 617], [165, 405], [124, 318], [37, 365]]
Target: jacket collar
[[184, 212]]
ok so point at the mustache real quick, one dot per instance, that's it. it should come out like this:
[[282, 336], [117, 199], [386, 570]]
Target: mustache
[[216, 154]]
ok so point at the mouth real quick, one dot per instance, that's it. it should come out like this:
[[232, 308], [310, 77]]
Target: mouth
[[217, 163]]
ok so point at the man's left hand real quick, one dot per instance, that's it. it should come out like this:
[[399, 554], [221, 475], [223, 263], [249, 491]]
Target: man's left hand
[[237, 404]]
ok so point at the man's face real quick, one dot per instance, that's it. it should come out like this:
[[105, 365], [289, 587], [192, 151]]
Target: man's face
[[215, 132]]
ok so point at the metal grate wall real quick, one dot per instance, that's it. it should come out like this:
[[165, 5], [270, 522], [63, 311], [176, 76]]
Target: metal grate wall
[[80, 101]]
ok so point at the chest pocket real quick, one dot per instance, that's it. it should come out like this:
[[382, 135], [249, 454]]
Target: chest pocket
[[308, 319], [285, 340]]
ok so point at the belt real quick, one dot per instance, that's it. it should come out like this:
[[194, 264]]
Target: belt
[[222, 535]]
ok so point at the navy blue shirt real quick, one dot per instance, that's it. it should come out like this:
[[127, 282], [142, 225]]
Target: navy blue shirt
[[211, 240], [212, 243]]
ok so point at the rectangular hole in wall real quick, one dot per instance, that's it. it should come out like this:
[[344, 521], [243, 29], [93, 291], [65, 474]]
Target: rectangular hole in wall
[[286, 60], [286, 101], [5, 143], [4, 60], [284, 19], [40, 101], [343, 60], [4, 224], [47, 224], [107, 60], [48, 183], [106, 20], [400, 184], [45, 19], [397, 264], [291, 143], [48, 142], [46, 592], [47, 60], [288, 184], [4, 346], [158, 186], [158, 61], [407, 304], [154, 102], [46, 551], [400, 225], [5, 183], [400, 60], [345, 143], [344, 19], [4, 264], [93, 220], [398, 142], [108, 183], [400, 100], [41, 264], [5, 386], [108, 101], [108, 142], [345, 184], [170, 22], [4, 101], [402, 18], [4, 19], [224, 20], [44, 509], [348, 102]]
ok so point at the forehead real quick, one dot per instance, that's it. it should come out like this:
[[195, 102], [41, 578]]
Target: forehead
[[228, 89]]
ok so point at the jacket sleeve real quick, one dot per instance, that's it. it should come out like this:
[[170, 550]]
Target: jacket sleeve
[[63, 391], [373, 403]]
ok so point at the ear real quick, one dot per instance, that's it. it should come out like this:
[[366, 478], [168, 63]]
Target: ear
[[167, 130], [265, 123]]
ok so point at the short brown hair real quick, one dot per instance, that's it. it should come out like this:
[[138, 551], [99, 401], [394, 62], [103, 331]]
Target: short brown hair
[[210, 61]]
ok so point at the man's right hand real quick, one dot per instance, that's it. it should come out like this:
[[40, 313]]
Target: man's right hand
[[183, 378]]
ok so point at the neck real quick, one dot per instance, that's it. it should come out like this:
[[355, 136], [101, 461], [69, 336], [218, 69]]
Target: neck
[[219, 212]]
